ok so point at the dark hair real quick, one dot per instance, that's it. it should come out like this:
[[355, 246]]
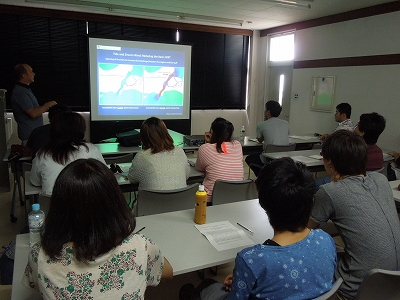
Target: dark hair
[[56, 109], [88, 209], [274, 108], [344, 108], [286, 191], [221, 132], [19, 70], [347, 151], [67, 132], [154, 135], [372, 125]]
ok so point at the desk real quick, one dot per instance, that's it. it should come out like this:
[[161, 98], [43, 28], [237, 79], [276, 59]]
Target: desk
[[314, 165], [16, 167], [115, 148], [304, 141], [396, 193], [180, 242], [194, 176]]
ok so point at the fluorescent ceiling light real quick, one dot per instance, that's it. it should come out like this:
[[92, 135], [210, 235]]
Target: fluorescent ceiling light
[[142, 11], [292, 3]]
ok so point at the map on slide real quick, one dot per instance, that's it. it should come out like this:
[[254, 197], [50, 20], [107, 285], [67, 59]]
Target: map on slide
[[136, 85]]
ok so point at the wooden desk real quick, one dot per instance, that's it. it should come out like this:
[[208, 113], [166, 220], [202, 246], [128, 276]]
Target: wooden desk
[[180, 242]]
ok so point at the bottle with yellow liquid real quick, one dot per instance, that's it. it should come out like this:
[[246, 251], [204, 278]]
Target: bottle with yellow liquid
[[201, 206]]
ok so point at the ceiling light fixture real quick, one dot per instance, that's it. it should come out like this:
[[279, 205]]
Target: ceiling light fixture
[[141, 12], [292, 3]]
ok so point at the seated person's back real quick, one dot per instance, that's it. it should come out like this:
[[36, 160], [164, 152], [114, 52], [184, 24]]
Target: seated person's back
[[220, 157], [362, 208], [160, 165], [67, 144]]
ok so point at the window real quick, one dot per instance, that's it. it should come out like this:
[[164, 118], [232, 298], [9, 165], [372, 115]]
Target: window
[[281, 48]]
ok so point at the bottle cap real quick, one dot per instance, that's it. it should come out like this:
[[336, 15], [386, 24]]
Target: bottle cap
[[201, 188], [36, 206]]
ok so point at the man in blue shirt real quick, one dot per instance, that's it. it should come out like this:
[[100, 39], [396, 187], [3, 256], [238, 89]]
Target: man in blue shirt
[[26, 109]]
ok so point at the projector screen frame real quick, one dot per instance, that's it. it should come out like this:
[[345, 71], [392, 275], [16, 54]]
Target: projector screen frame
[[105, 129]]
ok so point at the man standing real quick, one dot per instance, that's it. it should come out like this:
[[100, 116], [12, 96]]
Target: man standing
[[26, 109], [271, 131], [342, 116]]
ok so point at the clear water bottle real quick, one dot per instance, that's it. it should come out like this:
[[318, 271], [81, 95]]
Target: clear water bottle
[[35, 220], [242, 133]]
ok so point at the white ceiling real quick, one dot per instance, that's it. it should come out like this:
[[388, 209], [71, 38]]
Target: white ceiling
[[255, 14]]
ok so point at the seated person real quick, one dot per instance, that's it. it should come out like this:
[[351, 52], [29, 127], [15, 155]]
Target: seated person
[[342, 116], [40, 136], [297, 263], [67, 143], [88, 247], [220, 157], [272, 130], [160, 165], [370, 128], [362, 208]]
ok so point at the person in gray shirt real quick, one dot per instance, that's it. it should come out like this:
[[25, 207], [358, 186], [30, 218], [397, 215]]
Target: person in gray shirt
[[362, 208]]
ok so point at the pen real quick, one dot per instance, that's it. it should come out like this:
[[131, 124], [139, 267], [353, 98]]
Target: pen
[[140, 230], [244, 227]]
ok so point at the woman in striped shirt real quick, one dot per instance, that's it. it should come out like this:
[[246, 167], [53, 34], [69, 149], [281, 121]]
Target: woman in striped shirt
[[220, 157]]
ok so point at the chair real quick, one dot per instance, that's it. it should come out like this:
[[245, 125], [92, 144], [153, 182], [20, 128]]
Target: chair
[[396, 170], [331, 295], [380, 284], [118, 159], [151, 202], [317, 146], [225, 191], [304, 146]]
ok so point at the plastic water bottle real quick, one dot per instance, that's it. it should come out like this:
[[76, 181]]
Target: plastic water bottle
[[201, 206], [35, 220], [242, 133]]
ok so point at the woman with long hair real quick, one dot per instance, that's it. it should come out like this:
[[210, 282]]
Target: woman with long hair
[[88, 247], [220, 157], [160, 165], [67, 143]]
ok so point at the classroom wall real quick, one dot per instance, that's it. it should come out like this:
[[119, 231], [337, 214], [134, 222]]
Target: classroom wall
[[367, 88]]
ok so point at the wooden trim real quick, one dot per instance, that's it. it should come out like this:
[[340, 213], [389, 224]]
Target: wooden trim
[[342, 17], [62, 14], [372, 60]]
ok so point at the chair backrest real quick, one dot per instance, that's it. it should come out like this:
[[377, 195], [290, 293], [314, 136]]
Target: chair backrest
[[396, 170], [331, 295], [317, 146], [118, 159], [151, 202], [304, 146], [225, 191], [278, 148], [380, 284]]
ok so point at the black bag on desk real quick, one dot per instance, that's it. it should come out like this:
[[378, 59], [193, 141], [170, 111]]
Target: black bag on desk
[[129, 138]]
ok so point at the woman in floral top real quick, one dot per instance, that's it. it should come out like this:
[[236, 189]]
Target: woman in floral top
[[88, 248]]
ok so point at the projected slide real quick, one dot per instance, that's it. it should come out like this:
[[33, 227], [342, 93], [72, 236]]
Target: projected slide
[[139, 80]]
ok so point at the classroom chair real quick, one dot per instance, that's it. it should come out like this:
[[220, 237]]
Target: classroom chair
[[380, 284], [151, 202], [331, 295], [227, 191]]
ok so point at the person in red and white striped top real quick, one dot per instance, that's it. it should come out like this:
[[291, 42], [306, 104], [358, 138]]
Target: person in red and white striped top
[[220, 157]]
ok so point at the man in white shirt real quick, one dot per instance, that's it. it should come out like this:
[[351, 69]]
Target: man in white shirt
[[342, 116]]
